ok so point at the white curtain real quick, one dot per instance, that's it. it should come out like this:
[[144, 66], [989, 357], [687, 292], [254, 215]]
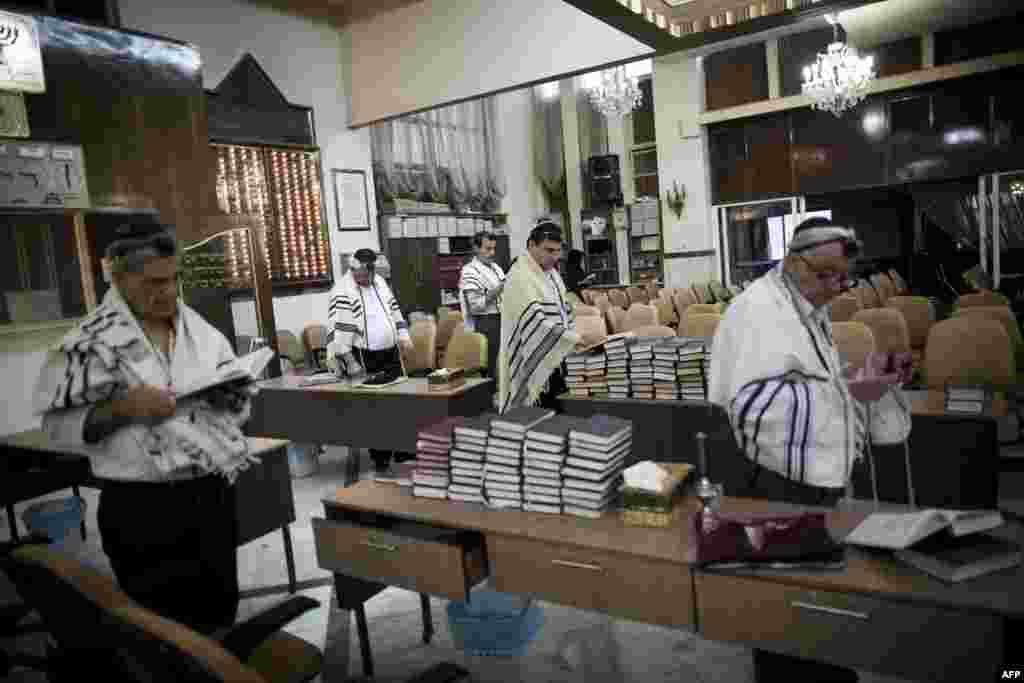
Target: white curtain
[[450, 152]]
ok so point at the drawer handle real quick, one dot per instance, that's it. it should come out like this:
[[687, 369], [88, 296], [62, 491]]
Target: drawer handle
[[832, 610], [577, 565], [381, 546]]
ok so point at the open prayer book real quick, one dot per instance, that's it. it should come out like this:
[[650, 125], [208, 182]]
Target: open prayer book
[[242, 370], [898, 531]]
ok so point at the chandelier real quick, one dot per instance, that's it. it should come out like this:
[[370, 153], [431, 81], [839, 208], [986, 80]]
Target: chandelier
[[839, 79], [615, 94]]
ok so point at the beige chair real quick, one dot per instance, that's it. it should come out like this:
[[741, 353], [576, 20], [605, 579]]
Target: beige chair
[[843, 308], [588, 296], [683, 299], [601, 302], [1009, 322], [639, 315], [701, 292], [592, 328], [466, 350], [652, 290], [288, 346], [574, 300], [654, 331], [666, 312], [615, 317], [882, 286], [701, 325], [983, 298], [969, 350], [445, 329], [314, 341], [854, 341], [703, 309], [866, 294], [618, 298], [888, 327], [901, 285], [637, 295], [424, 341], [584, 311], [917, 312]]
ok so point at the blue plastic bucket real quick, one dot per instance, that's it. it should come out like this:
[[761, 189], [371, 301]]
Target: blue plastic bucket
[[303, 459], [494, 624], [55, 518]]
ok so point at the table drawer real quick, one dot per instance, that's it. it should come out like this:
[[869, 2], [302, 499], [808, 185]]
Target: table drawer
[[893, 638], [628, 587], [414, 556]]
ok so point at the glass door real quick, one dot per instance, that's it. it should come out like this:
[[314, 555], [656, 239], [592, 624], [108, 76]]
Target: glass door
[[753, 237]]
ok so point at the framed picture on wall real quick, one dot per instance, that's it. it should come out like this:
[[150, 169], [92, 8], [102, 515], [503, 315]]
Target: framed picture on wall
[[351, 205]]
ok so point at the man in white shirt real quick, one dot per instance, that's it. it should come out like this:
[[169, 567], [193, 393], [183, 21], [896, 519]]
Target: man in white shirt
[[166, 513], [800, 420], [366, 329], [480, 285]]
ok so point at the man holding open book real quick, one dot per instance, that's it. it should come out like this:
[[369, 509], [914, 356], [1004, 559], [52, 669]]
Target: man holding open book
[[114, 388], [800, 419]]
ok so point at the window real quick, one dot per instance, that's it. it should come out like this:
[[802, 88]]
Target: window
[[282, 188], [40, 278]]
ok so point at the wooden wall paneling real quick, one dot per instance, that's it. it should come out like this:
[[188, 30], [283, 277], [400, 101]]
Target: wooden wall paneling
[[85, 264], [832, 153], [737, 76], [770, 158]]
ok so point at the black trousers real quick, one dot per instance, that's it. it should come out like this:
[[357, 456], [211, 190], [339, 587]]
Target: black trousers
[[746, 479], [490, 327], [556, 387], [173, 547], [379, 361]]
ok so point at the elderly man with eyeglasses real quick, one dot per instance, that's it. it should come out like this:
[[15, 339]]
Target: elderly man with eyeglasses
[[800, 418]]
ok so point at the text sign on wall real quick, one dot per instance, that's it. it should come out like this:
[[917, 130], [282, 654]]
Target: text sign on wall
[[21, 60]]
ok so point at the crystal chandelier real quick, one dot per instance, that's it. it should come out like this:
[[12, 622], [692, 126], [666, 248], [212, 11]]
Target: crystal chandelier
[[839, 79], [616, 94]]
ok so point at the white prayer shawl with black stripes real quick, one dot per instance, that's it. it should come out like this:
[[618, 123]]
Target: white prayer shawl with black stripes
[[475, 281], [106, 354], [346, 314], [537, 332], [776, 371]]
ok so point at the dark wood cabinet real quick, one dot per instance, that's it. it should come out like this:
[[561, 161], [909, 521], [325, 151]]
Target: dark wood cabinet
[[737, 76], [830, 153], [751, 159]]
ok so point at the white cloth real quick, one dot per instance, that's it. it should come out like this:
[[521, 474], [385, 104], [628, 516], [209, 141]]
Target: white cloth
[[776, 371], [476, 280], [107, 353], [380, 331], [537, 333], [347, 316]]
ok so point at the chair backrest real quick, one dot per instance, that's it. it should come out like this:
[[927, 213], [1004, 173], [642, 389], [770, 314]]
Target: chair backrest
[[615, 317], [592, 328], [618, 298], [583, 311], [446, 327], [718, 290], [683, 299], [888, 327], [466, 350], [702, 325], [654, 331], [982, 298], [901, 285], [866, 294], [666, 312], [424, 339], [701, 292], [587, 296], [314, 341], [703, 309], [1005, 316], [637, 295], [843, 307], [854, 341], [880, 281], [969, 349], [652, 290], [289, 347], [601, 302], [917, 313], [639, 315]]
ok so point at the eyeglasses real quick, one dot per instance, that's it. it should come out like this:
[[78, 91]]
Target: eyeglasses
[[828, 276]]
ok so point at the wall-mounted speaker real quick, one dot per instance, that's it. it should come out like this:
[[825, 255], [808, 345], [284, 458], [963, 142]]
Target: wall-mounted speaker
[[605, 185]]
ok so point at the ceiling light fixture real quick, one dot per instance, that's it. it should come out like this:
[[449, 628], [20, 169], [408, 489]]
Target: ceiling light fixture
[[839, 79], [614, 93]]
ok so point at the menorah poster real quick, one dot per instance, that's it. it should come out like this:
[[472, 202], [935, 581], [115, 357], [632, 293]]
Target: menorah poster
[[21, 61]]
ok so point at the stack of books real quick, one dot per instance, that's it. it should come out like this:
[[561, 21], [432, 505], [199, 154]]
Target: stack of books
[[692, 369], [503, 467], [576, 374], [666, 357], [592, 474], [617, 366], [641, 367], [597, 382], [967, 399], [467, 459], [544, 456], [430, 474]]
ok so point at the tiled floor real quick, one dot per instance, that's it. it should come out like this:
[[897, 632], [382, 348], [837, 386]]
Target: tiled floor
[[603, 649]]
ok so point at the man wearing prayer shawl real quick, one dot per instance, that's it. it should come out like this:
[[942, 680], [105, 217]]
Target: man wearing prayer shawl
[[480, 284], [166, 514], [801, 420], [538, 328]]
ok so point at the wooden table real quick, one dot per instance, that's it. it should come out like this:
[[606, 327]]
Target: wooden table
[[954, 456], [264, 500], [348, 415], [876, 614]]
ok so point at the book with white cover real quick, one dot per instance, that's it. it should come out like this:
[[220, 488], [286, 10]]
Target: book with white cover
[[466, 497], [429, 492], [542, 507], [582, 511], [507, 478], [901, 530], [241, 370]]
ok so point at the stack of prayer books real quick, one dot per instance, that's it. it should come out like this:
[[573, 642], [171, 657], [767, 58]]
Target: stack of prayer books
[[666, 357], [576, 374], [503, 467], [692, 369], [430, 473], [592, 474], [641, 367], [617, 366], [597, 383], [467, 459], [543, 458]]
